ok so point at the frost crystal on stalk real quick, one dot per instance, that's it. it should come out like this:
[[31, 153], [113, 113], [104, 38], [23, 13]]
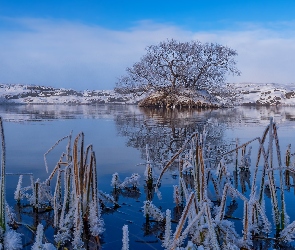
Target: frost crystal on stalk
[[12, 240], [96, 223], [125, 238], [133, 181], [159, 195], [106, 197], [10, 215], [168, 232], [149, 209], [176, 195], [288, 234], [115, 183], [18, 194], [38, 245]]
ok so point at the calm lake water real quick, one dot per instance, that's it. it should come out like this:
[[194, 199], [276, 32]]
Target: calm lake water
[[119, 135]]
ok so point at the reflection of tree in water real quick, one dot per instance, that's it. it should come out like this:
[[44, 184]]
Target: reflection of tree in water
[[165, 130], [149, 192], [231, 208], [32, 219], [288, 176], [240, 115], [265, 244], [152, 227], [133, 193], [245, 175]]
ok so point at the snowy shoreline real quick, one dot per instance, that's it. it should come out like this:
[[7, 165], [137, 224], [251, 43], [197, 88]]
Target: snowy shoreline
[[241, 94]]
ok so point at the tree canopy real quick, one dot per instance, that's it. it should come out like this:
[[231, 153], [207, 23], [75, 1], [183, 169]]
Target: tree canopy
[[173, 65]]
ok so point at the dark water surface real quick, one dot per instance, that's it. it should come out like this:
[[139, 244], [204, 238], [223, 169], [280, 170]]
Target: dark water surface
[[119, 135]]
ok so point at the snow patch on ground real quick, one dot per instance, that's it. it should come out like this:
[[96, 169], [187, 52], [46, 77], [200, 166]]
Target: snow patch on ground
[[263, 94], [25, 94]]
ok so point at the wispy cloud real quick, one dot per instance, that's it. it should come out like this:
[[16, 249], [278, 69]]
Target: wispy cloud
[[67, 54]]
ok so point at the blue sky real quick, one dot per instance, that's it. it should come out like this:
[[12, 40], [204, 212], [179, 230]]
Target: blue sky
[[88, 44]]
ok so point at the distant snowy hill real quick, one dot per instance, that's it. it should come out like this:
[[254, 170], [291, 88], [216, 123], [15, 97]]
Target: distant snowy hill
[[263, 94], [25, 94], [238, 94]]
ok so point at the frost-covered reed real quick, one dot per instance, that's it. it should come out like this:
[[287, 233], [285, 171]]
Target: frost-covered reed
[[74, 199], [203, 222]]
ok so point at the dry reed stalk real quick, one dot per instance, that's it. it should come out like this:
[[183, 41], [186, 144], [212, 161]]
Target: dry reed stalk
[[284, 215], [261, 211], [202, 174], [76, 165], [287, 178], [223, 202], [222, 171], [276, 138], [67, 193], [197, 169], [36, 195], [216, 187], [270, 143], [260, 150], [183, 188], [56, 168], [89, 181], [180, 167], [288, 156], [173, 159], [241, 146], [194, 220], [246, 221], [254, 214], [88, 151], [49, 150], [3, 177], [78, 217], [275, 205], [82, 167], [87, 171], [182, 219], [211, 228], [57, 199], [243, 150], [226, 189], [69, 157], [94, 178], [272, 185], [265, 166], [181, 192]]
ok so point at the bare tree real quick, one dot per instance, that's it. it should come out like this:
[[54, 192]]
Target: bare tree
[[172, 65]]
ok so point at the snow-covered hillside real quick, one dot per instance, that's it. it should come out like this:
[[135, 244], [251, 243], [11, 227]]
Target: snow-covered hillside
[[263, 94], [240, 94], [24, 94]]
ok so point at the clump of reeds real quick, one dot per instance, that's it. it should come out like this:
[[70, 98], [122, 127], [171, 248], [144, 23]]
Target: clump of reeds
[[74, 200], [78, 207], [205, 223]]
